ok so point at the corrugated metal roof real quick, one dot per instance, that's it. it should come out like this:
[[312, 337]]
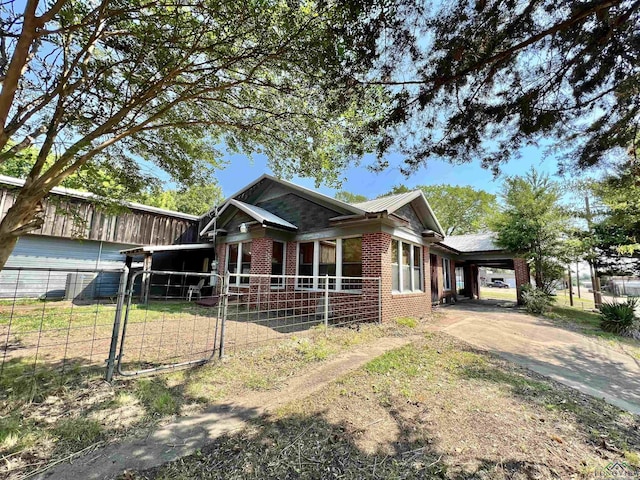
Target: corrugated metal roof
[[69, 192], [387, 204], [479, 242], [262, 215], [166, 248]]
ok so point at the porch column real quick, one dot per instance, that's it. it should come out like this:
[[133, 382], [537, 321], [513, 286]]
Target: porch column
[[376, 262], [221, 256], [475, 282], [468, 281], [523, 276], [260, 288]]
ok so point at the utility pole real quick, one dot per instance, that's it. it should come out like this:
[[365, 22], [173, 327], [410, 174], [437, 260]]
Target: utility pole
[[595, 281], [578, 277], [570, 285]]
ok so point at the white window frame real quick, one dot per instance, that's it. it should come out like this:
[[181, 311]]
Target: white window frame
[[401, 287], [316, 264], [446, 273], [238, 263]]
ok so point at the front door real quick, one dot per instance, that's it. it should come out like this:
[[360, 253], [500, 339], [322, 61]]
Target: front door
[[433, 261]]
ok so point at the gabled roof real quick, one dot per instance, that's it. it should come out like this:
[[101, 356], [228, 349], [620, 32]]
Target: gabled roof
[[391, 203], [478, 242], [261, 215], [297, 188], [306, 191]]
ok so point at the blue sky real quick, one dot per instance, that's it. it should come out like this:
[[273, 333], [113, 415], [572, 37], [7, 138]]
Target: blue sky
[[240, 171]]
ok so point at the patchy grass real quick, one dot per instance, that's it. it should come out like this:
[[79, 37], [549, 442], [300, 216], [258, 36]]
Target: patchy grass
[[588, 323], [561, 297], [498, 293], [409, 322], [32, 315], [433, 409], [52, 414], [76, 433], [158, 399]]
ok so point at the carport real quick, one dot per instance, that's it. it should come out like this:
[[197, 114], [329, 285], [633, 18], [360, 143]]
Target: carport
[[470, 252]]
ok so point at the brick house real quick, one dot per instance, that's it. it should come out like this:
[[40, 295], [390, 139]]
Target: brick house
[[274, 227]]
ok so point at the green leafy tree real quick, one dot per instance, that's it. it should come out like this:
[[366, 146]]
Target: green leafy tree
[[103, 84], [460, 209], [350, 197], [531, 223], [487, 77], [196, 200], [616, 232]]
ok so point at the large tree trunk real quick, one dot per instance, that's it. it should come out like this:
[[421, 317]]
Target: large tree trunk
[[7, 244], [23, 217], [538, 273]]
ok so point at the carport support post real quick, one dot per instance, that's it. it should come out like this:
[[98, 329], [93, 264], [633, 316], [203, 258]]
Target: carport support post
[[523, 275], [146, 278], [122, 288]]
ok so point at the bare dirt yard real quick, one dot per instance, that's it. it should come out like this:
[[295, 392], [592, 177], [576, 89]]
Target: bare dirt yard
[[436, 408]]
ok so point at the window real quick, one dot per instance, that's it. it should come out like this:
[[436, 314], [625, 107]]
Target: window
[[232, 258], [277, 263], [395, 266], [446, 273], [239, 261], [417, 268], [406, 267], [351, 263], [327, 265], [305, 263], [245, 266], [341, 257]]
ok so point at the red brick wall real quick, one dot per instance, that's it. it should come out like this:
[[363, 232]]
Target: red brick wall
[[523, 275], [261, 253], [221, 253], [290, 268], [376, 261]]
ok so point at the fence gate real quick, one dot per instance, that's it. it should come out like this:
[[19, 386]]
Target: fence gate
[[169, 320]]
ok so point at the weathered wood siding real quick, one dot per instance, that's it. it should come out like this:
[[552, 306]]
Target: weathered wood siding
[[68, 217]]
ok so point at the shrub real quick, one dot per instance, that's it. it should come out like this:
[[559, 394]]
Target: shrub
[[619, 318], [535, 301]]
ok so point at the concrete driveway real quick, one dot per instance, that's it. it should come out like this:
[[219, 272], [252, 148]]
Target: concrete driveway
[[568, 357]]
